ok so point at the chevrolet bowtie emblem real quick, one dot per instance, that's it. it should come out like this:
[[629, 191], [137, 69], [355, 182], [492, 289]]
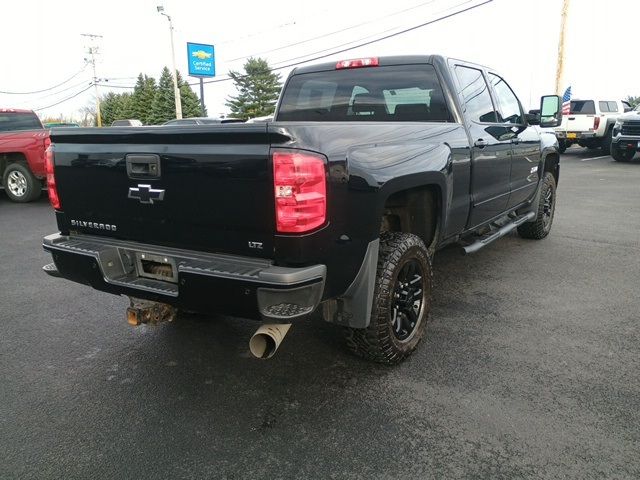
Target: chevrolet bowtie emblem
[[146, 194]]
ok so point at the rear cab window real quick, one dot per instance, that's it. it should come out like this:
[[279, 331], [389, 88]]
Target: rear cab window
[[12, 121], [583, 107], [608, 106], [405, 93]]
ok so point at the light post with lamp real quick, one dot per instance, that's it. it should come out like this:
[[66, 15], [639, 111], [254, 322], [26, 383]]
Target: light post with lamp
[[176, 88]]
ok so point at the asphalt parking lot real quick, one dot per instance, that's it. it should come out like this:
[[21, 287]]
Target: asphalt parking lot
[[531, 368]]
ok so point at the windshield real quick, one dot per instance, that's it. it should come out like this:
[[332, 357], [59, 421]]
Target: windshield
[[637, 109]]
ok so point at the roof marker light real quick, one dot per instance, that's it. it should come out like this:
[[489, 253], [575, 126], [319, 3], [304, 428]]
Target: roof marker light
[[358, 63]]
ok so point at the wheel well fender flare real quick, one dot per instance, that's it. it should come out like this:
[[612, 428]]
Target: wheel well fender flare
[[435, 180], [551, 163]]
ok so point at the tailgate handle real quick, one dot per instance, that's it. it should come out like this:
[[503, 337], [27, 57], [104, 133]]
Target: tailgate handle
[[143, 166]]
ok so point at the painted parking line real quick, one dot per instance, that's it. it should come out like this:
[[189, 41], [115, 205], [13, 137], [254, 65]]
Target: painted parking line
[[594, 158]]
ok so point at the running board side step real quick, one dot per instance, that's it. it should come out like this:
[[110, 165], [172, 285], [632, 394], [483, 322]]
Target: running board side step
[[496, 234]]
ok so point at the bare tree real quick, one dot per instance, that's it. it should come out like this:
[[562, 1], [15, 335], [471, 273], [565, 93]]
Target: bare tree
[[88, 115]]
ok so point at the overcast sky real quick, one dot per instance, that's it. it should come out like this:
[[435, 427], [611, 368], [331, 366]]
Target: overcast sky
[[41, 44]]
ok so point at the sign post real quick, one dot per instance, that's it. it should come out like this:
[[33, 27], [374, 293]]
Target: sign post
[[202, 64]]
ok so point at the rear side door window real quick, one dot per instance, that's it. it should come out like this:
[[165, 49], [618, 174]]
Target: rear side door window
[[475, 94], [608, 106], [508, 104]]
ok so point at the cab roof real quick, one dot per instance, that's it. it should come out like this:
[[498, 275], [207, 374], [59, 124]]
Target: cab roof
[[15, 110], [384, 61]]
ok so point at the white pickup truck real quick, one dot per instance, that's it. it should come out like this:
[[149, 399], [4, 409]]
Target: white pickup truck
[[589, 124]]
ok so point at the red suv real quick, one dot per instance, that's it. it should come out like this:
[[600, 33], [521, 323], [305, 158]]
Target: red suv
[[23, 141]]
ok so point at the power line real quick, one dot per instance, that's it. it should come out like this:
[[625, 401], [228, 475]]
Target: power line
[[334, 32], [294, 21], [394, 29], [41, 98], [66, 99], [103, 84], [342, 50], [370, 42], [47, 89], [70, 87]]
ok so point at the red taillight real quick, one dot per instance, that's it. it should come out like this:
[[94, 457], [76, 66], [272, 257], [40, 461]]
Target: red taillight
[[596, 123], [51, 178], [300, 186], [358, 63]]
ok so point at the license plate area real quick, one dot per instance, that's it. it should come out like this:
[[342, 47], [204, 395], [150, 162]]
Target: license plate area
[[158, 267], [572, 135]]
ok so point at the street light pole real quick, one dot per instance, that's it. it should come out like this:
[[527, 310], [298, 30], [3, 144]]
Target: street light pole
[[176, 88]]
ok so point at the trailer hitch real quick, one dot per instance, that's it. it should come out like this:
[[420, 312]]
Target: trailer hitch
[[145, 311]]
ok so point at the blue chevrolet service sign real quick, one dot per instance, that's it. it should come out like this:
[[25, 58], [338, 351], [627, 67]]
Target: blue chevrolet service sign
[[202, 60]]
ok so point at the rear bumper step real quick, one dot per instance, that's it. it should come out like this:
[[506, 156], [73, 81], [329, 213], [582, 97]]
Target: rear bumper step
[[50, 269], [198, 281]]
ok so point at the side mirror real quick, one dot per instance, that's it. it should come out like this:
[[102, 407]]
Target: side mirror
[[550, 111]]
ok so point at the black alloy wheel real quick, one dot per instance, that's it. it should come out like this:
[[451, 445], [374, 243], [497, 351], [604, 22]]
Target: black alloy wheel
[[408, 300]]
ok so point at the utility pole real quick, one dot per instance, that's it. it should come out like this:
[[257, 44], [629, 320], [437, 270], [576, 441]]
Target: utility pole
[[176, 88], [93, 50], [560, 67]]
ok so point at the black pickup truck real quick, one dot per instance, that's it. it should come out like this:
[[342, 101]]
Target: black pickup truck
[[369, 167]]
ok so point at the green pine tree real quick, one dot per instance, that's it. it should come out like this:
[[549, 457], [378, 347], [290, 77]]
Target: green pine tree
[[115, 106], [142, 98], [190, 102], [108, 108], [258, 88], [163, 106], [125, 103]]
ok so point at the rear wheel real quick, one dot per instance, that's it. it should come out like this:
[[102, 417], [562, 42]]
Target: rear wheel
[[622, 155], [20, 184], [402, 300], [541, 225]]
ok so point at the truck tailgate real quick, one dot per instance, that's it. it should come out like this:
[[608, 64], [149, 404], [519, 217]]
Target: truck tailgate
[[579, 123], [198, 187]]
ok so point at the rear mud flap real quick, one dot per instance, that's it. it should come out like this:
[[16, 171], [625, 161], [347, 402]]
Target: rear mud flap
[[353, 309]]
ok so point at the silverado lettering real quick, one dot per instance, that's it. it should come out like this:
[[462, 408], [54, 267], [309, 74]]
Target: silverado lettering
[[99, 226]]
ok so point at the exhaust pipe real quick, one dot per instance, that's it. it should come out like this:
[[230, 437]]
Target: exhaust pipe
[[267, 339]]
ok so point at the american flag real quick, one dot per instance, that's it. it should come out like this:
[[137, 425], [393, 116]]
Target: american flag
[[566, 101]]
